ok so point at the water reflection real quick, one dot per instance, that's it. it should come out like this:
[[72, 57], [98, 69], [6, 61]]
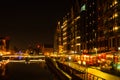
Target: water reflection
[[28, 71]]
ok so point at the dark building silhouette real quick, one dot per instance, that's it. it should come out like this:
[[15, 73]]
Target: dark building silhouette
[[4, 43]]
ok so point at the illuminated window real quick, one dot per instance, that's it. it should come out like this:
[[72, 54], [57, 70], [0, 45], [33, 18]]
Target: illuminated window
[[64, 38], [115, 15], [59, 39], [90, 14], [115, 2], [78, 44], [110, 6], [93, 21], [64, 33], [77, 37], [65, 29], [115, 28], [83, 8], [64, 43]]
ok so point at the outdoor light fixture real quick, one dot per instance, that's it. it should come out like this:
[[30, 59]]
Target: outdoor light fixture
[[118, 48]]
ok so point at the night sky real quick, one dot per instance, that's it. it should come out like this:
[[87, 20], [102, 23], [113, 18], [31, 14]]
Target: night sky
[[31, 22]]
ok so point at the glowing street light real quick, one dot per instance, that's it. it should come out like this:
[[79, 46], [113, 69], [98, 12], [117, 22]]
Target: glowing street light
[[96, 51], [115, 28], [96, 54], [118, 48]]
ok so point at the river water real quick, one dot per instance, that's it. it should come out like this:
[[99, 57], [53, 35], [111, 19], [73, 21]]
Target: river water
[[28, 71]]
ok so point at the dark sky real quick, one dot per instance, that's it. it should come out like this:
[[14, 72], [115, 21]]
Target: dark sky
[[31, 22]]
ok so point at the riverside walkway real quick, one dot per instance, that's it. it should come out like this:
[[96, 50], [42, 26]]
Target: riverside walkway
[[91, 73]]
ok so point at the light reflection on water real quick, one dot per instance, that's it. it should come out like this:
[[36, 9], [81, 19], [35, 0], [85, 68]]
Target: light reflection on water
[[29, 71]]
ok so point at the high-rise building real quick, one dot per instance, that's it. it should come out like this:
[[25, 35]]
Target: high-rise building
[[57, 38], [89, 26], [108, 25]]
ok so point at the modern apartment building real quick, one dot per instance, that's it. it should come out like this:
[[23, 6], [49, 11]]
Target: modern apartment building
[[90, 26], [108, 25]]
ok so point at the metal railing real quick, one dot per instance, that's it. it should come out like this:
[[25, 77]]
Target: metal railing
[[89, 76], [78, 74], [54, 67]]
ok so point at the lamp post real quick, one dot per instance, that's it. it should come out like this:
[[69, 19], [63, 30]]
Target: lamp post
[[118, 48], [96, 54]]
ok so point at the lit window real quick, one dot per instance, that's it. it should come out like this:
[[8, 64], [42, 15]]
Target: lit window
[[64, 29], [83, 8], [115, 28], [115, 15], [77, 37], [64, 43], [110, 6], [78, 44], [64, 34], [64, 38], [93, 30], [115, 2], [90, 14]]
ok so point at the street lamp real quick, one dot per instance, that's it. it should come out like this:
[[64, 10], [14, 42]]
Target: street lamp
[[96, 54], [95, 51], [118, 48]]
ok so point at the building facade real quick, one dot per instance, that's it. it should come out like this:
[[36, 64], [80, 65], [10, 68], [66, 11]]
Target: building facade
[[90, 26], [108, 25]]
